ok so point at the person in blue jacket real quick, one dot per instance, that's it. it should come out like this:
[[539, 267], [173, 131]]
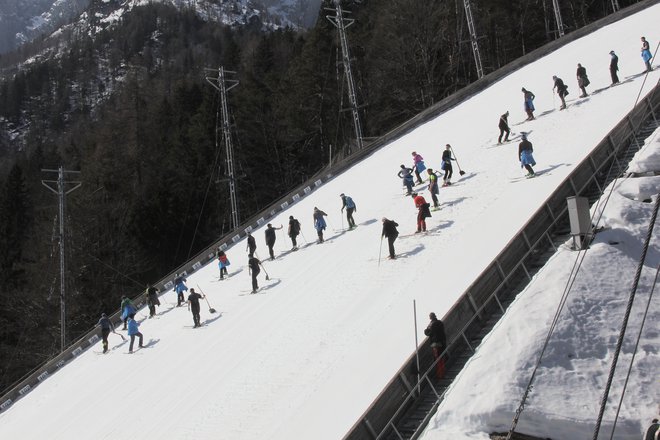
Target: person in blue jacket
[[349, 204], [223, 263], [406, 175], [133, 331], [179, 288], [525, 156], [319, 223], [127, 307], [528, 98], [646, 54]]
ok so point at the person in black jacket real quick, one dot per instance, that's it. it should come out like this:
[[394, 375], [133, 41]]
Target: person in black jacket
[[254, 269], [106, 328], [436, 333], [271, 236], [152, 300], [446, 165], [562, 91], [251, 245], [193, 304], [582, 79], [294, 230], [614, 67], [504, 128], [390, 231]]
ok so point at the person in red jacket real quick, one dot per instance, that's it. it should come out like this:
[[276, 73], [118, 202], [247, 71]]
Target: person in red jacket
[[423, 211]]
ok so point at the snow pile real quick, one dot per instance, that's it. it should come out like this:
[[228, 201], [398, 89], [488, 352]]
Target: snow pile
[[308, 354], [569, 385]]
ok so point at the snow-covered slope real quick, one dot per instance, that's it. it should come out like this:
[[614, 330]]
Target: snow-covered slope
[[307, 355]]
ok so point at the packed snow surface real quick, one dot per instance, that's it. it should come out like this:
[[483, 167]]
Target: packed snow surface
[[306, 356]]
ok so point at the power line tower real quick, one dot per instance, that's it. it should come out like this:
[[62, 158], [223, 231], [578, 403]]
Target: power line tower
[[223, 85], [61, 190], [341, 24], [560, 23], [473, 39]]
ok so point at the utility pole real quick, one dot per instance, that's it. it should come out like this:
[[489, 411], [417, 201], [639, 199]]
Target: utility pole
[[560, 23], [61, 192], [341, 24], [223, 85], [615, 5], [473, 39]]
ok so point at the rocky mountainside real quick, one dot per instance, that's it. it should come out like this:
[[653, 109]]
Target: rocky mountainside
[[22, 21]]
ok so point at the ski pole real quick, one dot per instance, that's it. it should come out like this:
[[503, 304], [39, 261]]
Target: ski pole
[[341, 214], [303, 236], [380, 250], [262, 266]]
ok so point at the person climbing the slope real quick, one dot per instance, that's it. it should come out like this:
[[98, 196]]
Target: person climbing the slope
[[562, 90], [582, 79], [390, 231], [433, 187], [223, 263], [614, 67], [528, 103], [193, 305], [271, 236], [251, 245], [133, 331], [418, 166], [127, 307], [446, 165], [504, 128], [179, 288], [423, 212], [152, 299], [254, 268], [525, 156], [106, 328], [436, 333], [294, 231], [319, 223], [646, 54], [349, 204], [406, 175]]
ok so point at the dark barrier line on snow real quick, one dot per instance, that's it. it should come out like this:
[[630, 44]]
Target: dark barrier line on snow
[[497, 284], [33, 378]]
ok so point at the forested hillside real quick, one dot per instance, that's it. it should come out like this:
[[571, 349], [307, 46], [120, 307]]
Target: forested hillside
[[130, 108]]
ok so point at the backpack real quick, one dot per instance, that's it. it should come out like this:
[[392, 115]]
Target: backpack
[[295, 227], [349, 202]]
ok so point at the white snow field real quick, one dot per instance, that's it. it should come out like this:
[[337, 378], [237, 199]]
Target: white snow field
[[304, 357]]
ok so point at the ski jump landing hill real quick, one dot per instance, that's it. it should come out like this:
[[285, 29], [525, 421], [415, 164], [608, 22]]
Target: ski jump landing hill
[[307, 357]]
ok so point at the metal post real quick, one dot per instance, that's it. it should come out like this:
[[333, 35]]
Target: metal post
[[61, 195], [560, 23], [416, 344], [615, 5], [341, 23], [473, 39], [220, 84]]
